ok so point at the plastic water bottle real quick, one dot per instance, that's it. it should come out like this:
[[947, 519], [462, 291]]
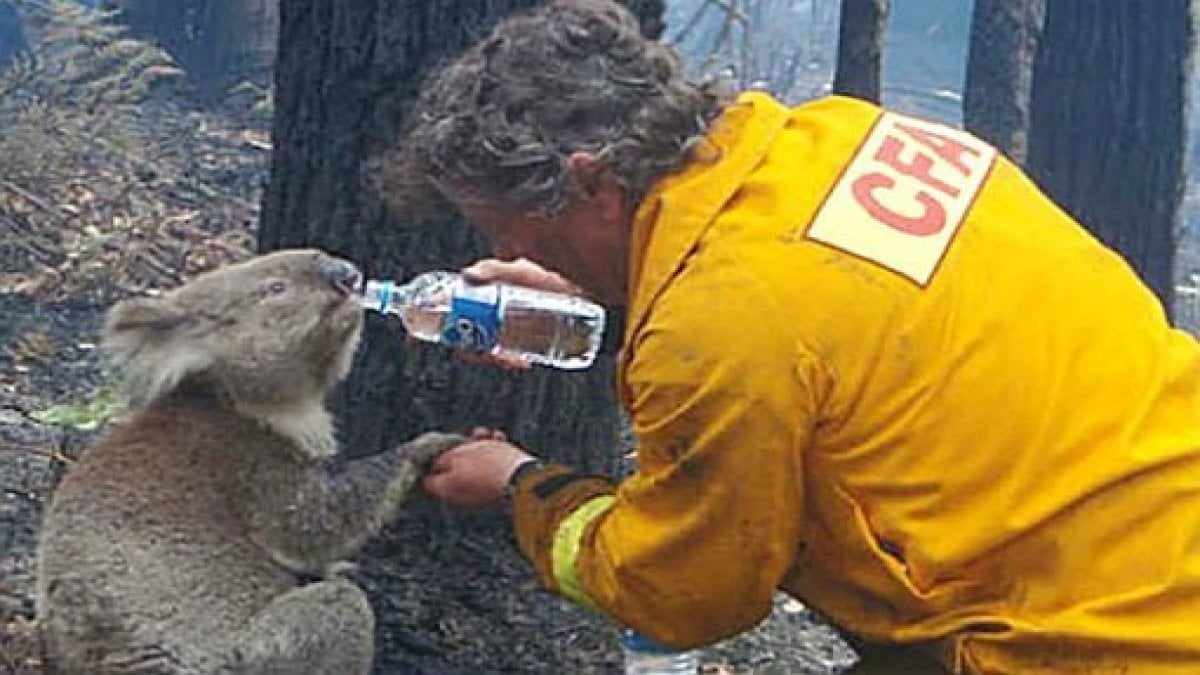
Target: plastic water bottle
[[540, 327], [643, 656]]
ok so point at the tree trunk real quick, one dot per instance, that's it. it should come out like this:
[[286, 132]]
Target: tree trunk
[[1004, 39], [650, 12], [218, 42], [346, 71], [12, 34], [1109, 123], [860, 48]]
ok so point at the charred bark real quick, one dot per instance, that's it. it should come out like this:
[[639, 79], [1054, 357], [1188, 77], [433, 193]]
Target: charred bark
[[996, 101], [860, 48], [1109, 123]]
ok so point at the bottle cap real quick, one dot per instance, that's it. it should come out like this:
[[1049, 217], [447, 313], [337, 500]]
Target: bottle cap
[[635, 641]]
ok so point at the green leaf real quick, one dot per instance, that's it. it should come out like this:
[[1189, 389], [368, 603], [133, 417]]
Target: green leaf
[[88, 415]]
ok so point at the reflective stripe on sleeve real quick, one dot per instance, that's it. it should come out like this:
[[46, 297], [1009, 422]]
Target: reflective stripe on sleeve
[[566, 548]]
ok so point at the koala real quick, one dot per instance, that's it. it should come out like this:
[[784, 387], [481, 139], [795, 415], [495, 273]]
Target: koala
[[204, 533]]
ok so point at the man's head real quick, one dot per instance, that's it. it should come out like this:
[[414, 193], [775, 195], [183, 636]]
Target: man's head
[[560, 119]]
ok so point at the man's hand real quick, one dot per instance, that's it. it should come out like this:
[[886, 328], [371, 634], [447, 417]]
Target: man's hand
[[474, 474], [519, 272]]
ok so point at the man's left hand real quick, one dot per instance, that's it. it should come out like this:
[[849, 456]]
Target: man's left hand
[[474, 474]]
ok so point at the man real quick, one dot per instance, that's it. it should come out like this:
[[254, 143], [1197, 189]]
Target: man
[[866, 361]]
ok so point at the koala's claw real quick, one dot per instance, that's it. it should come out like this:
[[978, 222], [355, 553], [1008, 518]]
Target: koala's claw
[[424, 448]]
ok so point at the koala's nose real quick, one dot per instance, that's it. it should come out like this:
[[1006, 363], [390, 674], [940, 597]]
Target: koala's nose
[[341, 274]]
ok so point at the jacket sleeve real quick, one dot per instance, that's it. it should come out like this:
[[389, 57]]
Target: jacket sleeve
[[690, 549]]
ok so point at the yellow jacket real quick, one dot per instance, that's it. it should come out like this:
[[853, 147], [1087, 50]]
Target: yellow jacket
[[867, 361]]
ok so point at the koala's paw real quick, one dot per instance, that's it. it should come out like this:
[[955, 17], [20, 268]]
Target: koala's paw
[[424, 448]]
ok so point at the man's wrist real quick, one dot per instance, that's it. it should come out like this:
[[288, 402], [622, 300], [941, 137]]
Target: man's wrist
[[523, 468]]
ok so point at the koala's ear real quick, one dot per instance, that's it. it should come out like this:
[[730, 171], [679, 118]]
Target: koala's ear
[[153, 314], [141, 344]]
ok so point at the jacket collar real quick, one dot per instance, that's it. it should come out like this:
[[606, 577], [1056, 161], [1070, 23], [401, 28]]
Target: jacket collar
[[677, 211]]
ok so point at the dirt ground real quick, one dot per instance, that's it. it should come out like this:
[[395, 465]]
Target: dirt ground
[[449, 600]]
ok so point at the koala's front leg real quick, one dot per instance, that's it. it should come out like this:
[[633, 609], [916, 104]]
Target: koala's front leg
[[321, 514]]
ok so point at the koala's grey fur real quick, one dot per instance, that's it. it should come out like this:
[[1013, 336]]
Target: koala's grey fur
[[181, 542]]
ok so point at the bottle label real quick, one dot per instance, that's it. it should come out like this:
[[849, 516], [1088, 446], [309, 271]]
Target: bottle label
[[474, 319]]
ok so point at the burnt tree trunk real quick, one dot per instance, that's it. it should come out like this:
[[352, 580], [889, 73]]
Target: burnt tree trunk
[[1109, 123], [860, 48], [996, 101], [345, 73], [12, 34]]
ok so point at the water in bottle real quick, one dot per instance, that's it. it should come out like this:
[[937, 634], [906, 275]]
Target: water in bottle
[[540, 327], [643, 656]]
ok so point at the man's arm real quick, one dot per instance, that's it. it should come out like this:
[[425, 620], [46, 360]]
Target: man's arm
[[690, 548]]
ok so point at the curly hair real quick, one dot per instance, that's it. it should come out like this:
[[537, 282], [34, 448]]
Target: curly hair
[[499, 123]]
